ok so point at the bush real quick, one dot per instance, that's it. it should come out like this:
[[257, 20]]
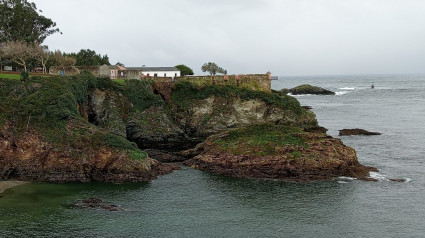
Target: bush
[[25, 75], [139, 94]]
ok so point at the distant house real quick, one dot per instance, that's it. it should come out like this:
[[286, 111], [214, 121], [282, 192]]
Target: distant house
[[140, 72], [113, 71]]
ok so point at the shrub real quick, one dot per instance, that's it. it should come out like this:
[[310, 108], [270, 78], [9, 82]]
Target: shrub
[[24, 75]]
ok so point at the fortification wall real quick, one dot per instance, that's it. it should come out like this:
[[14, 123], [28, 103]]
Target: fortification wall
[[258, 82]]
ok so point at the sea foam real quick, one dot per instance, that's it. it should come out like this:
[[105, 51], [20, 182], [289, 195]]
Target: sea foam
[[341, 93]]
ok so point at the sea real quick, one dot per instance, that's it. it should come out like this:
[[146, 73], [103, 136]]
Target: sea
[[191, 203]]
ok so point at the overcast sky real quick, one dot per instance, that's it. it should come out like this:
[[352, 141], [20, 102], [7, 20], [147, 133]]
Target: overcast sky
[[286, 37]]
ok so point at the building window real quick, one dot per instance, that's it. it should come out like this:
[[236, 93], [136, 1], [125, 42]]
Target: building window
[[155, 75], [165, 75]]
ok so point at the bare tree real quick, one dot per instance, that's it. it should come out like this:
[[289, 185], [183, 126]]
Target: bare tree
[[42, 54], [65, 61], [19, 52]]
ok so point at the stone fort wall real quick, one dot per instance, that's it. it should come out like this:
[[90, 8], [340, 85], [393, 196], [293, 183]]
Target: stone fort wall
[[257, 82]]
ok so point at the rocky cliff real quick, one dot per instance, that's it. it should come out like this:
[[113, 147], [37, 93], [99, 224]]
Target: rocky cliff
[[83, 128]]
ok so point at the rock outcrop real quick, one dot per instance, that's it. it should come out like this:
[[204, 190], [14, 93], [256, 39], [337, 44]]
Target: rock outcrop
[[152, 128], [30, 158], [274, 152], [213, 110], [91, 129], [357, 131], [308, 89]]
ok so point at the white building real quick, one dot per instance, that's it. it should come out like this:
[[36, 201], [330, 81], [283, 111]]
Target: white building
[[138, 72]]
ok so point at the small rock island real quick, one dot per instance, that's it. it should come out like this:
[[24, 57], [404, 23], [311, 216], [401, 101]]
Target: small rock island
[[308, 89]]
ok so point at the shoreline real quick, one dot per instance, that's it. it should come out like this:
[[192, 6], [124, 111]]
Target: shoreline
[[4, 185]]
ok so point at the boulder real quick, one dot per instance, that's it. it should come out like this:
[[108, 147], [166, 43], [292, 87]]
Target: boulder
[[308, 89], [357, 131]]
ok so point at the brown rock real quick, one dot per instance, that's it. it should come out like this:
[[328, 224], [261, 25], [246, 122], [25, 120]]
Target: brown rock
[[30, 158], [324, 158], [357, 131]]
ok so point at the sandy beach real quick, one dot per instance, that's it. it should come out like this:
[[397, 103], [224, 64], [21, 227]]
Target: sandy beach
[[9, 184]]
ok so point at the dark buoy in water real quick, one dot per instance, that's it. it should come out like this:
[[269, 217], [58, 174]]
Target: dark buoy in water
[[373, 86]]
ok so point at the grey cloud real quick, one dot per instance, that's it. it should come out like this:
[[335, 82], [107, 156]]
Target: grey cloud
[[287, 37]]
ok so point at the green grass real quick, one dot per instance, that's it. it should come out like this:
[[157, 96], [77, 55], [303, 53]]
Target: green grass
[[18, 76], [261, 139], [119, 81], [10, 76]]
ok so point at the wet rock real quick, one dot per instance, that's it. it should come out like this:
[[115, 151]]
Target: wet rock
[[357, 131], [398, 180], [308, 89], [317, 129], [307, 107], [97, 203]]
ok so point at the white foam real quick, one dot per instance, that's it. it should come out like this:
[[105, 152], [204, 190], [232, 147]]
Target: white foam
[[298, 95], [407, 180], [347, 88], [378, 176], [344, 178], [342, 182], [341, 93]]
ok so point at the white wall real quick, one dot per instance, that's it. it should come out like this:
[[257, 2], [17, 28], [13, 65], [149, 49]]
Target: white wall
[[161, 73]]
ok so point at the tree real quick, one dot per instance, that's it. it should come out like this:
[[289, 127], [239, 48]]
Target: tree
[[42, 54], [1, 57], [87, 57], [64, 60], [184, 70], [213, 69], [20, 21], [19, 52], [120, 64]]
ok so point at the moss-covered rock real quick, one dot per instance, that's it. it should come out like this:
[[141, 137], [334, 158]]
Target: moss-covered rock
[[277, 152], [308, 89], [83, 128], [153, 129], [204, 111], [69, 129]]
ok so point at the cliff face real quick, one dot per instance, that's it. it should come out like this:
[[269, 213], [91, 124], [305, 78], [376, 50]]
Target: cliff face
[[212, 109], [73, 129], [30, 157], [91, 129]]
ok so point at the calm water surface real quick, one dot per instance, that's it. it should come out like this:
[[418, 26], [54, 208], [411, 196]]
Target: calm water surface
[[190, 203]]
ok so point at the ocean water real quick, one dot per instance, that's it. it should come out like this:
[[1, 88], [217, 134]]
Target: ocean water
[[190, 203]]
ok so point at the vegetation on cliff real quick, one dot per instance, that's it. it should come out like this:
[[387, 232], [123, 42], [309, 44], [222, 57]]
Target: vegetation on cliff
[[50, 106], [185, 93], [210, 109], [79, 128], [277, 152], [261, 140]]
